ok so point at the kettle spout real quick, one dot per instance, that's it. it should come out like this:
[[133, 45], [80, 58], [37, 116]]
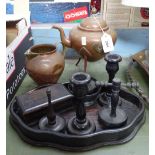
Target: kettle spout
[[66, 42]]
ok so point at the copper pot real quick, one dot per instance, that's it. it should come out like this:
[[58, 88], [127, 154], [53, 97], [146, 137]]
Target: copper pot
[[91, 28], [44, 64]]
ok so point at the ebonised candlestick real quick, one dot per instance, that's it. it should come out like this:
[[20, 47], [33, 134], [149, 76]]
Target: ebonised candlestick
[[80, 124], [112, 68], [113, 116]]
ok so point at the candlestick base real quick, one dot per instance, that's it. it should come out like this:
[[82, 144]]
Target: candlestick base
[[77, 128], [109, 121], [58, 126]]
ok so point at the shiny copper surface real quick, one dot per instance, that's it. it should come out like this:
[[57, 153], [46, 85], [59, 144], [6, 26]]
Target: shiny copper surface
[[93, 30], [44, 64]]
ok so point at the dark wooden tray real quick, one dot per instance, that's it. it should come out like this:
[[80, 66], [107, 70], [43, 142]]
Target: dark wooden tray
[[141, 59], [30, 132]]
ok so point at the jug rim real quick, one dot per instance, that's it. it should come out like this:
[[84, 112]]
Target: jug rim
[[43, 45]]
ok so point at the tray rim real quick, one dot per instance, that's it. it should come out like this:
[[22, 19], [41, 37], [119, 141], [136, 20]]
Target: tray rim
[[77, 149], [139, 119]]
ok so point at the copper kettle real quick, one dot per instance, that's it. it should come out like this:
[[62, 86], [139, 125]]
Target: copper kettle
[[91, 29]]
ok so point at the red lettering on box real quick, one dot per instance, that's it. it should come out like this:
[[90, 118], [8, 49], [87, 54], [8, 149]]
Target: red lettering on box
[[75, 14]]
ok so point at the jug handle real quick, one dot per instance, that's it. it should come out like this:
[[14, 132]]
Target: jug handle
[[30, 55], [64, 48], [27, 53]]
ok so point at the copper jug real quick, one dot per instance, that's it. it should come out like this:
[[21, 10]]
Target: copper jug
[[44, 63], [92, 29]]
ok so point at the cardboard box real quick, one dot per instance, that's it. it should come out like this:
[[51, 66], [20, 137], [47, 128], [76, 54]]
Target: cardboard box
[[18, 39], [43, 12]]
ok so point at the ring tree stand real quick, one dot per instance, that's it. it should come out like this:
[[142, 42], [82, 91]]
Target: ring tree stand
[[52, 121], [56, 115]]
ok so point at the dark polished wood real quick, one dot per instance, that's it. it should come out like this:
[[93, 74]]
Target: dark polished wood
[[29, 131]]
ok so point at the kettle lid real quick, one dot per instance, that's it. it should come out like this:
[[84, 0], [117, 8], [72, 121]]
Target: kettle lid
[[93, 23]]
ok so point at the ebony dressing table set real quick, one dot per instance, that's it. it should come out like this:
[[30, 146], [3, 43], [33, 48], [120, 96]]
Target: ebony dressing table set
[[83, 113]]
